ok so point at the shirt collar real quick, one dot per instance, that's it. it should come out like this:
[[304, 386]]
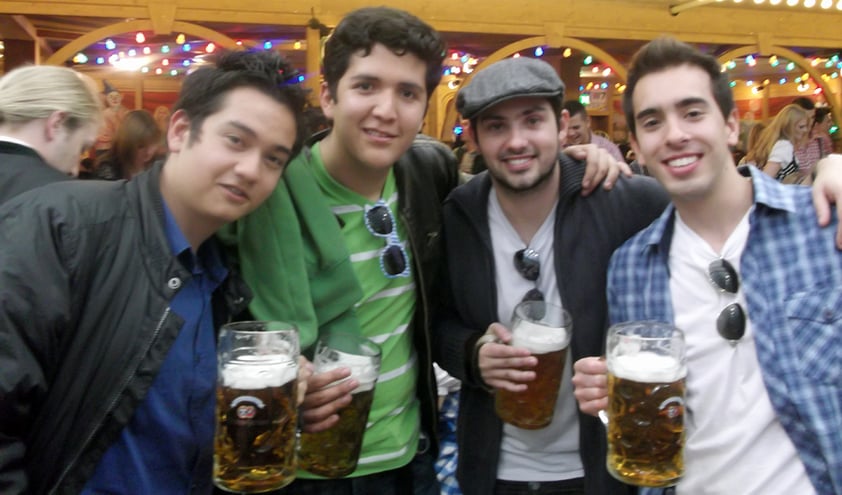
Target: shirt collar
[[10, 139], [768, 193], [208, 258]]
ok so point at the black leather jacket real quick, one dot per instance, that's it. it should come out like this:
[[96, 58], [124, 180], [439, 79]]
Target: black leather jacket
[[86, 278], [22, 169], [425, 176]]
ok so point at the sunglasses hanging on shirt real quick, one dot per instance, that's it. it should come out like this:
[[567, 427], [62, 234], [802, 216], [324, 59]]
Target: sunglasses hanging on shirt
[[528, 265], [731, 323], [380, 221]]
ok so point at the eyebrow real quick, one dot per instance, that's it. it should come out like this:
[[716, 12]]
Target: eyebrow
[[404, 84], [248, 130], [684, 103]]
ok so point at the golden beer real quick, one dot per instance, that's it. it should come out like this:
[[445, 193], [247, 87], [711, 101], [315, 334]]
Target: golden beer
[[256, 411], [533, 408], [255, 438], [544, 329], [334, 453], [646, 419]]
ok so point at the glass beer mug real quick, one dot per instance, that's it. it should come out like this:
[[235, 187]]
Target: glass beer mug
[[255, 441], [333, 453], [645, 416], [544, 329]]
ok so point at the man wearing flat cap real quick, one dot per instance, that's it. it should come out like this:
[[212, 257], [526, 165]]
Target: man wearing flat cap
[[529, 200]]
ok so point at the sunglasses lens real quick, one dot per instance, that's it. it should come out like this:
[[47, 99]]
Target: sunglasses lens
[[394, 260], [731, 323], [724, 276], [528, 264], [533, 295], [379, 220]]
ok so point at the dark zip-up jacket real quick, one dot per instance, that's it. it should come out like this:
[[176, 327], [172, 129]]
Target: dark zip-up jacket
[[22, 169], [587, 231], [86, 279]]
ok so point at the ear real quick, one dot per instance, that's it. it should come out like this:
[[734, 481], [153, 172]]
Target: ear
[[732, 127], [563, 125], [634, 146], [469, 134], [326, 101], [55, 125], [178, 133]]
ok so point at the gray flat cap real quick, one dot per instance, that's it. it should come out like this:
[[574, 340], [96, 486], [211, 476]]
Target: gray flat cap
[[507, 79]]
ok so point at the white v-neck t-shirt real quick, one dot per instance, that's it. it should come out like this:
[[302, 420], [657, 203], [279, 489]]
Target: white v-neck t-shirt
[[734, 441], [551, 453]]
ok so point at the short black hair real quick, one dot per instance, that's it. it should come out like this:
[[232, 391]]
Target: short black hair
[[397, 30], [203, 91], [575, 107], [805, 103], [665, 53]]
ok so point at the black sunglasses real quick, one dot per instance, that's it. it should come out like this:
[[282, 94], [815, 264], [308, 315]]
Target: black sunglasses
[[528, 265], [380, 221], [731, 323]]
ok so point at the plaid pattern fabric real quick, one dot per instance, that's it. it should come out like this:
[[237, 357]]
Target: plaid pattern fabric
[[448, 454], [792, 278]]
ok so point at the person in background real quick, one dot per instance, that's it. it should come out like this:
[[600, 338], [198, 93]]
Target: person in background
[[113, 114], [529, 199], [134, 149], [49, 116], [111, 294], [809, 152], [351, 239], [752, 137], [774, 152], [739, 263], [580, 130], [820, 134]]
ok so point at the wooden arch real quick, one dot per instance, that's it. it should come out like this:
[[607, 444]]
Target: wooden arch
[[802, 62], [86, 40], [517, 46]]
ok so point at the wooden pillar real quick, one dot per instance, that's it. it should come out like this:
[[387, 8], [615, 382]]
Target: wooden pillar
[[569, 72], [314, 56], [18, 52]]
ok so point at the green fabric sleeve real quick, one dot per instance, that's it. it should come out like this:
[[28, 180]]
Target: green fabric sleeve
[[292, 255]]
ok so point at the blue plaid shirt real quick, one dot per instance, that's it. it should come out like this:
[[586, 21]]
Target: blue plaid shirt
[[792, 279]]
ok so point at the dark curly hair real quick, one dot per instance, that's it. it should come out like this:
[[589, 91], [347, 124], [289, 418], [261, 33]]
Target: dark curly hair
[[203, 91], [397, 30]]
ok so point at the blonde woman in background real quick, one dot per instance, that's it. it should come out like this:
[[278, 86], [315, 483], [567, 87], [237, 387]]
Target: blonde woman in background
[[774, 151], [752, 136]]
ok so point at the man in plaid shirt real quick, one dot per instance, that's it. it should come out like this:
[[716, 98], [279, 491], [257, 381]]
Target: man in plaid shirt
[[764, 344]]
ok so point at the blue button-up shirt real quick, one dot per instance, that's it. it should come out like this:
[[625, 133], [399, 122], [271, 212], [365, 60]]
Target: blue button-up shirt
[[792, 279], [167, 448]]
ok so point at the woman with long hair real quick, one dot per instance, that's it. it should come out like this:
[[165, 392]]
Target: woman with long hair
[[774, 151], [133, 148]]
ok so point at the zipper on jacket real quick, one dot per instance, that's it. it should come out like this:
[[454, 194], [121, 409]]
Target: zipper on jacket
[[111, 404]]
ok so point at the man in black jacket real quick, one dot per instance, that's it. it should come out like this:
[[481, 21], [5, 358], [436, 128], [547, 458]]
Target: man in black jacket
[[42, 139], [110, 294], [530, 198]]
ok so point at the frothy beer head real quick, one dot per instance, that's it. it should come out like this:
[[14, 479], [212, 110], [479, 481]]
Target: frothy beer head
[[647, 367], [363, 368], [539, 339], [258, 372]]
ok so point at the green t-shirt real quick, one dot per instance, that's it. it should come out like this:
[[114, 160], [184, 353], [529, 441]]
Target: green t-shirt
[[384, 313]]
